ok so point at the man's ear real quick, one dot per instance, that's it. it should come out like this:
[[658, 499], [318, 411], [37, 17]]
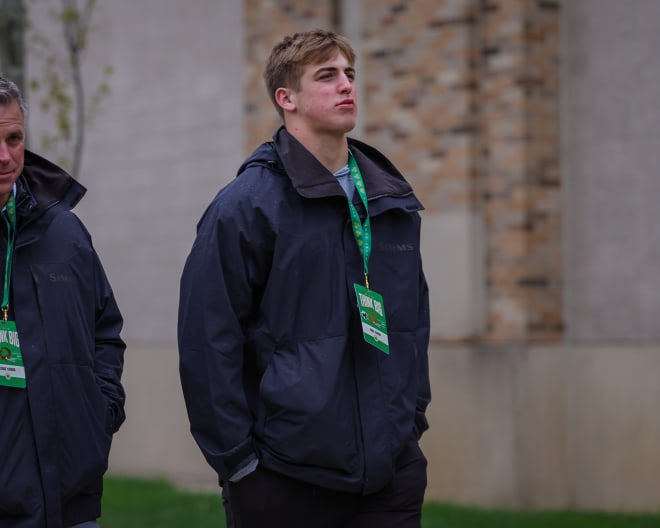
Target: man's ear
[[286, 98]]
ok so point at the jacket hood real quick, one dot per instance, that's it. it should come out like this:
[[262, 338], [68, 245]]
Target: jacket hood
[[312, 180], [48, 185]]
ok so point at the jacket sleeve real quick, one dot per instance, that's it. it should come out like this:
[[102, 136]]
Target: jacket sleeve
[[109, 347], [216, 300], [423, 336]]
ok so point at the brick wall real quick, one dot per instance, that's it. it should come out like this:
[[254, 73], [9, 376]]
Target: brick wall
[[518, 177], [463, 96]]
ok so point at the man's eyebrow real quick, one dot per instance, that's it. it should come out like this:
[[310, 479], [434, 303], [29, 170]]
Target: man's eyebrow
[[333, 69]]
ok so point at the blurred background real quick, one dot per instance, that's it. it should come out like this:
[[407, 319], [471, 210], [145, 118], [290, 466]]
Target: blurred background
[[529, 129]]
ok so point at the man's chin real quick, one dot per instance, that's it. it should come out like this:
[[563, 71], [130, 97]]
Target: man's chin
[[6, 184], [348, 127]]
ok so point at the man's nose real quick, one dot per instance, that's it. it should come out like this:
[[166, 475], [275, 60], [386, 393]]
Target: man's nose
[[346, 85], [4, 152]]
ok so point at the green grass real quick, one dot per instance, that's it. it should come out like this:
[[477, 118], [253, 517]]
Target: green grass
[[136, 503]]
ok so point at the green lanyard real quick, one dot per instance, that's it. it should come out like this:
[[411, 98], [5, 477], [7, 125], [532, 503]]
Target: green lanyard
[[10, 221], [361, 231]]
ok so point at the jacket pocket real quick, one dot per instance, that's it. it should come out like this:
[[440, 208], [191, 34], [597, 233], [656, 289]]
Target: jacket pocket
[[84, 438], [310, 411], [20, 489], [401, 384]]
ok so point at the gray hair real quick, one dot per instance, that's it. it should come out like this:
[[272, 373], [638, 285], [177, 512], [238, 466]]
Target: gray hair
[[9, 93]]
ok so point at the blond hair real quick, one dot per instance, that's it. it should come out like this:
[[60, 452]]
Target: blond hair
[[288, 58]]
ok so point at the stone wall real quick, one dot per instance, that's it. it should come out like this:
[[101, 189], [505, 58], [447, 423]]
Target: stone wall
[[518, 177], [462, 95], [611, 139]]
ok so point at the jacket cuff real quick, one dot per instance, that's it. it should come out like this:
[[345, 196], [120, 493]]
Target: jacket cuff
[[244, 470]]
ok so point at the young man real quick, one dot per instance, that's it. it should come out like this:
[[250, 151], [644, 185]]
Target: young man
[[61, 355], [303, 318]]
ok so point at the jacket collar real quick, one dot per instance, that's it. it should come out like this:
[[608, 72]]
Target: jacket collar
[[312, 180]]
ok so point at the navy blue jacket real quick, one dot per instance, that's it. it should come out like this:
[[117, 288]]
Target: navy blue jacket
[[56, 433], [273, 363]]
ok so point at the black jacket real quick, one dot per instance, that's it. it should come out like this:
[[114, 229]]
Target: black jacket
[[272, 359], [56, 433]]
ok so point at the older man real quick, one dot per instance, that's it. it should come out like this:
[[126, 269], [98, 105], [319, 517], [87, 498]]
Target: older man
[[61, 355]]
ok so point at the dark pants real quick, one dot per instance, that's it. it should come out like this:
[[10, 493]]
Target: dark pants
[[265, 499]]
